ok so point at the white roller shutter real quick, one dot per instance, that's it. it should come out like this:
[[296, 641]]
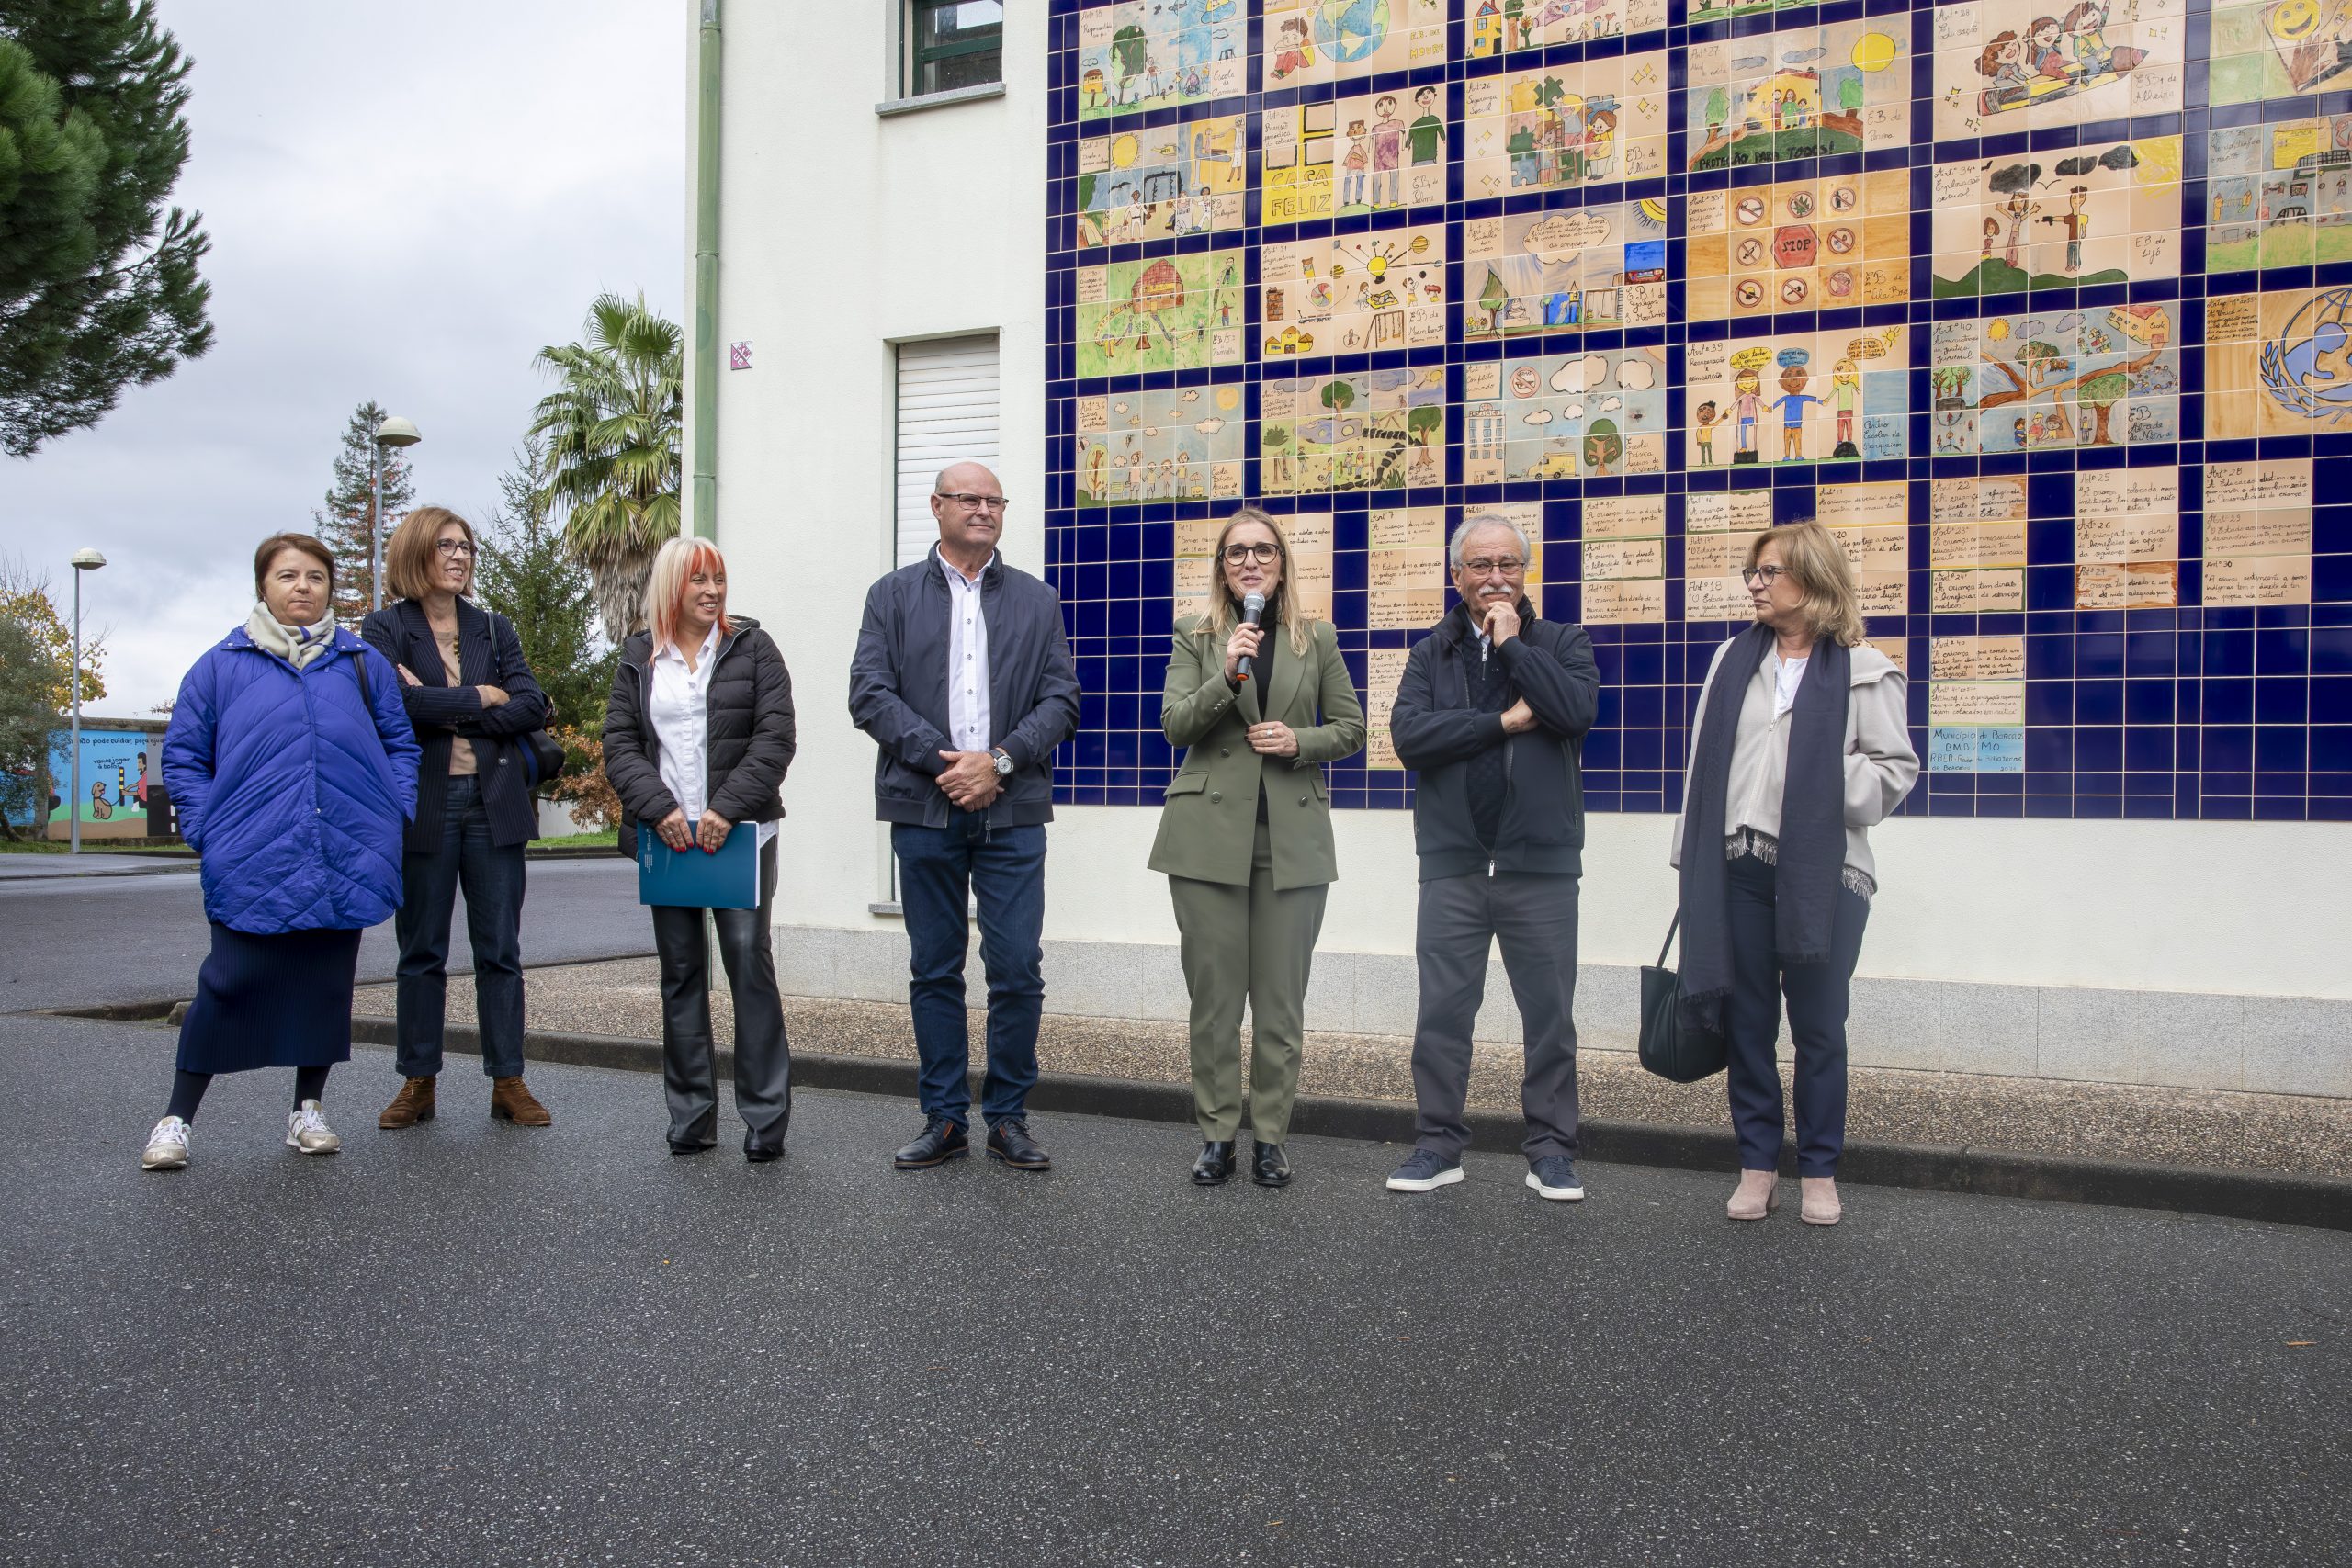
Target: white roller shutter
[[948, 413]]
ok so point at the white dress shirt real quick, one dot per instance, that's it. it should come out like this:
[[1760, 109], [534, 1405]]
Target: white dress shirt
[[680, 710], [968, 661]]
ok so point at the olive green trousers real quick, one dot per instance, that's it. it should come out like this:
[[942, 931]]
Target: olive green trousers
[[1256, 945]]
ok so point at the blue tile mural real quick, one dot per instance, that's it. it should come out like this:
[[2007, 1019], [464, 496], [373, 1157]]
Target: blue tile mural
[[2046, 312]]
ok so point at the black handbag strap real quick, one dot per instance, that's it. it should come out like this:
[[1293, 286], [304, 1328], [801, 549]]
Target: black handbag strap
[[1672, 926]]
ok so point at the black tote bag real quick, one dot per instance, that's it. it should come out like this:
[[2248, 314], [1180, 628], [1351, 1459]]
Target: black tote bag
[[1671, 1046]]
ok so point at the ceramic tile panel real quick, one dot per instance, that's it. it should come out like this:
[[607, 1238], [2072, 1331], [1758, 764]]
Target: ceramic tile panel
[[2045, 313]]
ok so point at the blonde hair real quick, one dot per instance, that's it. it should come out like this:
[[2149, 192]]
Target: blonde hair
[[1815, 561], [1225, 612], [665, 588], [408, 554]]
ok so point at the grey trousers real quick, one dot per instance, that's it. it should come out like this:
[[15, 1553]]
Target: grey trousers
[[763, 1057], [1534, 918]]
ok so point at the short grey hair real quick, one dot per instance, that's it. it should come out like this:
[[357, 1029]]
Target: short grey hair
[[1472, 521]]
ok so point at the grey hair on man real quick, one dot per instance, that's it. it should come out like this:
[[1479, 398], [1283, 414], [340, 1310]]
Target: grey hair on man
[[1472, 521]]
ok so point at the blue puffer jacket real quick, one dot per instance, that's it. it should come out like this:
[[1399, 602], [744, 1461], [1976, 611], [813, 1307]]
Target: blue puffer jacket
[[291, 787]]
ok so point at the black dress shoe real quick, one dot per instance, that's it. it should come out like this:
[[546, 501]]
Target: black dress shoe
[[760, 1154], [679, 1148], [1215, 1165], [1009, 1141], [942, 1140], [1271, 1167]]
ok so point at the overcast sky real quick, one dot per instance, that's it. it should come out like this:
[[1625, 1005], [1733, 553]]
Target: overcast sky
[[404, 204]]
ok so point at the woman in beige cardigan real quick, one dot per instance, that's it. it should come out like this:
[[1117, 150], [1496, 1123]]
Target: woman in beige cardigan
[[1801, 743], [1245, 838]]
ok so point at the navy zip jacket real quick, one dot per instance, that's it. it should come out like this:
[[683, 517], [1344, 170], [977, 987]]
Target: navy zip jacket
[[1438, 732], [489, 654], [897, 690]]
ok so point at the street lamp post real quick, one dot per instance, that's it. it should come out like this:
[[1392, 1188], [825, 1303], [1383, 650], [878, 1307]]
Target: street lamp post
[[84, 560], [394, 431]]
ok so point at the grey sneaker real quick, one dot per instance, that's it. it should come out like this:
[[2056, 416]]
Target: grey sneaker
[[307, 1130], [166, 1146], [1425, 1172], [1554, 1176]]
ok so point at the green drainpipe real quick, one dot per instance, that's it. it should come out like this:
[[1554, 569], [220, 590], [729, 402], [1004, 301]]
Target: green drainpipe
[[704, 518]]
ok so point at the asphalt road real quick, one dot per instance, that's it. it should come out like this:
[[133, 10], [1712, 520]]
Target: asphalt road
[[139, 936], [472, 1344]]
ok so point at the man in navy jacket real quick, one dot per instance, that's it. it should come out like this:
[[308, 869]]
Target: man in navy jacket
[[963, 678], [1491, 713]]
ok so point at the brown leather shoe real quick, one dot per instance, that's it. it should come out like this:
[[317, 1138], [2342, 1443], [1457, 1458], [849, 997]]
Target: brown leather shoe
[[411, 1105], [510, 1100]]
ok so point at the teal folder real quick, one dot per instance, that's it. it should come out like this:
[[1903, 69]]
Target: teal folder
[[693, 880]]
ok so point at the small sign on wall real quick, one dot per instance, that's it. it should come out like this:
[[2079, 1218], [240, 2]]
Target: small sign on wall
[[739, 356]]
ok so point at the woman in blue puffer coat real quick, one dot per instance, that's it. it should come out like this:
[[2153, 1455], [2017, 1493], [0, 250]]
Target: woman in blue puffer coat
[[293, 770]]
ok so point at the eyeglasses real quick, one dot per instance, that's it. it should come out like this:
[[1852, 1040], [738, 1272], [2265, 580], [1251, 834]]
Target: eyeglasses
[[1509, 566], [971, 502], [1767, 575], [1264, 555], [453, 547]]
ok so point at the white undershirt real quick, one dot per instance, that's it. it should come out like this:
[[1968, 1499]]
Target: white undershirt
[[968, 660], [679, 709], [1787, 675]]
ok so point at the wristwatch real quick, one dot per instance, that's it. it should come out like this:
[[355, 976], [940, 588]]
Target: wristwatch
[[1003, 763]]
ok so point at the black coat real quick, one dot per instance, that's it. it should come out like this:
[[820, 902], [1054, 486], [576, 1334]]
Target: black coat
[[749, 732], [897, 690], [489, 654], [1437, 732]]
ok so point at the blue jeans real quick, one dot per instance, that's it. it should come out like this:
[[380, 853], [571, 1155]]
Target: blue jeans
[[493, 878], [940, 870]]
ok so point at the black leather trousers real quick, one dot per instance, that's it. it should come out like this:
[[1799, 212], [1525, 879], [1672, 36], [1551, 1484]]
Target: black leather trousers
[[762, 1058]]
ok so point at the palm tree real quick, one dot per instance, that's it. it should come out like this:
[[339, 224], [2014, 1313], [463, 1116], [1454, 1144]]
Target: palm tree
[[613, 431]]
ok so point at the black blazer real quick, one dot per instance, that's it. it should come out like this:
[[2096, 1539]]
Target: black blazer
[[749, 733], [489, 654]]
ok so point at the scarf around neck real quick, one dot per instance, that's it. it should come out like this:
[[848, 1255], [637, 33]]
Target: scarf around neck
[[298, 645], [1812, 851]]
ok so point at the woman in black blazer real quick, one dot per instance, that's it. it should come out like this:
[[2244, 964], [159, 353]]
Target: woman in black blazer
[[469, 695]]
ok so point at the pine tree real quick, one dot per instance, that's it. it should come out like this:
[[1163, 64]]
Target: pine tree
[[98, 282], [526, 574], [343, 524]]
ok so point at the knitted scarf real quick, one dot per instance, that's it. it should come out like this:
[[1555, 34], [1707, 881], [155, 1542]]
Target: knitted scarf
[[296, 645], [1812, 851]]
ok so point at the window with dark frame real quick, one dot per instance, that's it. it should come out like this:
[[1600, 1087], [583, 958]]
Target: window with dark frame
[[952, 44]]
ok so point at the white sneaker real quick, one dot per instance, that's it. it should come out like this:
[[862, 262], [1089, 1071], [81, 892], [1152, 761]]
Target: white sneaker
[[307, 1130], [166, 1146]]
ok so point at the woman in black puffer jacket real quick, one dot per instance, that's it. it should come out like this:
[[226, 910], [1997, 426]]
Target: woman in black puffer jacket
[[697, 737]]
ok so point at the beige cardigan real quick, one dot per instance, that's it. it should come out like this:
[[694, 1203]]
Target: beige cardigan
[[1881, 767]]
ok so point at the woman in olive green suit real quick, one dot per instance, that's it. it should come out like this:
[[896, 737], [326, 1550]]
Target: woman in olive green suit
[[1246, 835]]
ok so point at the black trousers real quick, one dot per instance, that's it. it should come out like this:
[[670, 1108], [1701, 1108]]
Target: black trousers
[[1817, 996], [762, 1058]]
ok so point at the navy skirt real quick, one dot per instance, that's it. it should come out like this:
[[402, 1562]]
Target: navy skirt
[[271, 1001]]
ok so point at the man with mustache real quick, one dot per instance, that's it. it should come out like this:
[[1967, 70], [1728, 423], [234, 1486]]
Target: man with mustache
[[1492, 714]]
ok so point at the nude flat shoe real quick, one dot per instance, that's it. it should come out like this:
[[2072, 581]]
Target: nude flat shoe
[[1819, 1204], [1759, 1195]]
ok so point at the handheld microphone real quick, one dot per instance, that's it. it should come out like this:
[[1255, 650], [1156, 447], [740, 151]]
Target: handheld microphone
[[1251, 608]]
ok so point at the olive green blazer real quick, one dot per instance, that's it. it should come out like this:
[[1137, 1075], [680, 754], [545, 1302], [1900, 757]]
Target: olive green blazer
[[1208, 829]]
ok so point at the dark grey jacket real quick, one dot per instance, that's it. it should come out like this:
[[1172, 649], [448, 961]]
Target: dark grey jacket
[[1436, 733], [751, 735], [897, 690], [489, 654]]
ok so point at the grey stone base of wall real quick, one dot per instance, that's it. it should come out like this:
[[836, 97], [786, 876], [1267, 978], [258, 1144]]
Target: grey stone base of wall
[[2260, 1044]]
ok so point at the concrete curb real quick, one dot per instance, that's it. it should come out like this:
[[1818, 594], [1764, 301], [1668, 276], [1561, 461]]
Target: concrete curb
[[2321, 1202]]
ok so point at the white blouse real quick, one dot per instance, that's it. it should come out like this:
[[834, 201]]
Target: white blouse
[[680, 710]]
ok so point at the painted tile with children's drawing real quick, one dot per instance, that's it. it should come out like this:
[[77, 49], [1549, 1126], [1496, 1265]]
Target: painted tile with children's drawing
[[1352, 294], [1371, 430], [2279, 364], [2105, 213], [1565, 271], [2279, 194], [1557, 127], [1168, 445], [1161, 183], [2056, 379], [1506, 27], [1163, 313], [1795, 398], [1134, 56], [1369, 153], [1818, 244], [2010, 66], [2279, 48], [1308, 42], [1799, 93], [1574, 415]]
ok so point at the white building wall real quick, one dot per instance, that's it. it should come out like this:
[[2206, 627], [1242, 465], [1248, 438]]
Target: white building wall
[[2212, 954]]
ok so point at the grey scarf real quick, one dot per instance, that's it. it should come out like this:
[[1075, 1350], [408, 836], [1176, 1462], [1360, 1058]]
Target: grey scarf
[[296, 645]]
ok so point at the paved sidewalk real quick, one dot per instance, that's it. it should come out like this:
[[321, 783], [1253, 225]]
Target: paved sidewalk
[[472, 1344], [25, 867], [2300, 1135]]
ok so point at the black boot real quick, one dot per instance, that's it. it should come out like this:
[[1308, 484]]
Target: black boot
[[1215, 1165], [1271, 1167]]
